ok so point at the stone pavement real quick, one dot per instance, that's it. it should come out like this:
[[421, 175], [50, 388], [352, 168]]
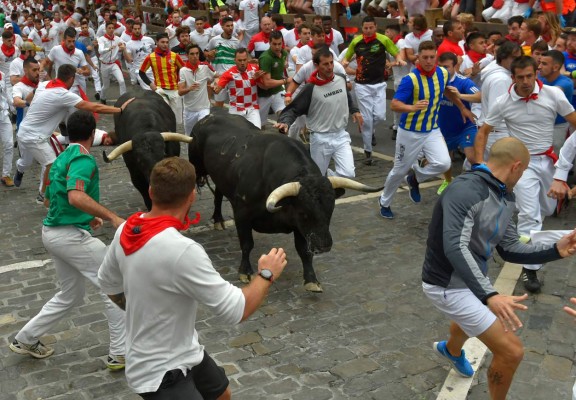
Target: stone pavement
[[367, 336]]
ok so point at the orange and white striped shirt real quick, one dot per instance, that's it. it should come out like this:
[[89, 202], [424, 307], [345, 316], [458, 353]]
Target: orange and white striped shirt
[[165, 68]]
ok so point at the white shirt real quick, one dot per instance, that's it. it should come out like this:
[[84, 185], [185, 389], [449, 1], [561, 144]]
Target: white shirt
[[60, 57], [306, 71], [337, 40], [4, 104], [290, 40], [196, 100], [412, 42], [49, 107], [108, 49], [171, 31], [5, 64], [467, 63], [139, 49], [189, 22], [201, 39], [305, 55], [219, 41], [251, 18], [21, 90], [166, 299], [17, 67], [217, 30], [532, 121]]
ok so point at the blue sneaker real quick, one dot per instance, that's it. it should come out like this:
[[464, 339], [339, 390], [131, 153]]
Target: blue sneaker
[[385, 212], [414, 192], [461, 364], [18, 178]]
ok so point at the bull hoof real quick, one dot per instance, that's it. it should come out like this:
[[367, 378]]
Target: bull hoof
[[219, 226], [313, 287], [244, 278]]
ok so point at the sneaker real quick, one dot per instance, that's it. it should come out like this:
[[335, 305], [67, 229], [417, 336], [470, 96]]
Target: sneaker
[[115, 363], [36, 350], [18, 178], [531, 281], [460, 364], [394, 134], [103, 101], [374, 140], [443, 186], [7, 181], [386, 212], [414, 192], [40, 199], [368, 160], [97, 96]]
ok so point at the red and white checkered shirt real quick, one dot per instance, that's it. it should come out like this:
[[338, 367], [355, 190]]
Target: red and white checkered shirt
[[241, 86]]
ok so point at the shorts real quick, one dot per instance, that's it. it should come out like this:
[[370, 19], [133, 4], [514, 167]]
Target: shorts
[[222, 96], [204, 381], [463, 140], [42, 152], [462, 307]]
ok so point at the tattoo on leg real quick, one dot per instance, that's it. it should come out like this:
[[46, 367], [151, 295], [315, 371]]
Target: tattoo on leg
[[494, 376]]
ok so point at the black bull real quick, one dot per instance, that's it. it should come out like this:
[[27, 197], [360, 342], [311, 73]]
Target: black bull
[[145, 134], [273, 185]]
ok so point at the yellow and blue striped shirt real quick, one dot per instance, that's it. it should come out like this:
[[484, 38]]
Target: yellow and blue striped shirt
[[415, 87]]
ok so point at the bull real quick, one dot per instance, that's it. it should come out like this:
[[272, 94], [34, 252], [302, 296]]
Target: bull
[[145, 131], [273, 185]]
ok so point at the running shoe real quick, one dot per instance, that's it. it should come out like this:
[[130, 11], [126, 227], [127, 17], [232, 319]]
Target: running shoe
[[36, 350], [460, 364]]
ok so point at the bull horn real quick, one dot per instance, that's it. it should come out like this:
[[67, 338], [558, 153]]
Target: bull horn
[[345, 183], [286, 190], [175, 137], [118, 151]]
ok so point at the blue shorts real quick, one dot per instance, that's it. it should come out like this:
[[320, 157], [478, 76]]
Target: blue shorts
[[462, 140]]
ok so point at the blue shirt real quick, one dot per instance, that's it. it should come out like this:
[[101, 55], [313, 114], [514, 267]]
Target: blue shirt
[[564, 83], [449, 116], [415, 87], [570, 65], [80, 46]]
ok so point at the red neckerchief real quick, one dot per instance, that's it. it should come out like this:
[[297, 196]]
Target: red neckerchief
[[69, 52], [311, 44], [570, 55], [57, 21], [184, 18], [418, 35], [117, 26], [23, 56], [8, 51], [368, 39], [397, 38], [475, 56], [531, 96], [316, 80], [296, 34], [109, 37], [162, 53], [56, 83], [28, 82], [137, 37], [67, 18], [137, 231], [427, 74], [328, 37], [127, 32], [181, 46], [300, 44], [85, 34], [510, 38], [547, 37], [193, 67], [174, 25]]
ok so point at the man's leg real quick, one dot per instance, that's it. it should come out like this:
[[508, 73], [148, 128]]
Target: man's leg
[[437, 156], [319, 152], [105, 69], [507, 353], [264, 103], [253, 116], [119, 76], [343, 157], [366, 104], [96, 76], [7, 139]]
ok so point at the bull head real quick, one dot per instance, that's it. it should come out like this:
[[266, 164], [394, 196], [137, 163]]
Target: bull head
[[293, 188], [127, 146]]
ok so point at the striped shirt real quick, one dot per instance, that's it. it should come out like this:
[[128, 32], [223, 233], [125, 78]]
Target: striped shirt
[[415, 87], [225, 52], [164, 68]]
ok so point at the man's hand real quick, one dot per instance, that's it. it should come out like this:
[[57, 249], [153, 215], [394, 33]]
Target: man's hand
[[116, 221], [567, 244], [96, 223], [467, 115], [259, 74], [275, 261], [569, 310], [282, 128], [400, 63], [559, 190], [454, 91], [504, 308], [420, 105], [152, 86], [357, 118]]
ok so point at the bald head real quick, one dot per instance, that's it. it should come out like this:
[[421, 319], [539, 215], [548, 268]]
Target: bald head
[[507, 151], [266, 25]]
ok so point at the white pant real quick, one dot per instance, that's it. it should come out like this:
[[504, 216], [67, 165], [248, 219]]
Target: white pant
[[531, 197], [173, 99], [408, 146], [192, 117], [503, 14], [133, 73], [276, 101], [150, 76], [321, 7], [96, 75], [111, 69], [325, 146], [372, 105], [251, 114], [42, 152], [7, 139], [77, 255], [560, 131]]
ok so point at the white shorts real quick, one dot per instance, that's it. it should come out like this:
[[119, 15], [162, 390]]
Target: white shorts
[[42, 152], [462, 307], [276, 102], [251, 114]]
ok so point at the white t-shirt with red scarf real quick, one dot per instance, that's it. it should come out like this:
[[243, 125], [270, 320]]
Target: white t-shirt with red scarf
[[7, 55], [59, 55]]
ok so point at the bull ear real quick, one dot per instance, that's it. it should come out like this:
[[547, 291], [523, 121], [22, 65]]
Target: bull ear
[[339, 192]]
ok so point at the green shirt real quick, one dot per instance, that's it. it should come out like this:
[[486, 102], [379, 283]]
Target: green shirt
[[74, 169], [269, 62]]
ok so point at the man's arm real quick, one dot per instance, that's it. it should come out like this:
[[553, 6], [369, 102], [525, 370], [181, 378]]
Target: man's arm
[[410, 56], [21, 103], [119, 299], [480, 143], [83, 202], [564, 165], [295, 109]]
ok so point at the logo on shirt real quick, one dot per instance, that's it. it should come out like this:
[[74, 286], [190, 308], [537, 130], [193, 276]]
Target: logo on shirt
[[332, 93], [375, 48]]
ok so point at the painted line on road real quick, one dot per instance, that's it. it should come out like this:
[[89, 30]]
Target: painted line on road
[[455, 386], [374, 154], [24, 265]]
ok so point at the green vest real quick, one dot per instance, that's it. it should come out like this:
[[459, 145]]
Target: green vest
[[282, 6]]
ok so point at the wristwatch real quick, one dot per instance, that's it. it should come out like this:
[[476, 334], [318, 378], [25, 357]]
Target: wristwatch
[[266, 274]]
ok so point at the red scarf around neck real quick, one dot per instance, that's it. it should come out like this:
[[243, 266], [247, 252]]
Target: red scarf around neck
[[428, 74], [109, 37], [418, 35], [328, 37], [8, 51], [475, 56], [531, 96], [397, 38], [23, 56], [316, 80], [368, 39], [56, 83], [134, 37], [69, 52], [85, 34], [162, 53], [28, 82], [137, 231], [193, 67]]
